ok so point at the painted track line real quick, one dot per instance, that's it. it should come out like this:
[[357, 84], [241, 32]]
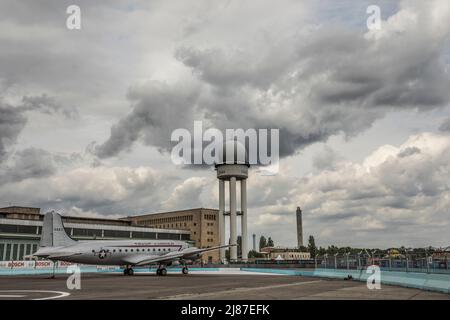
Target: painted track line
[[60, 294]]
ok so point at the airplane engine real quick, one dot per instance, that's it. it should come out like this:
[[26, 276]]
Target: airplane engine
[[194, 257]]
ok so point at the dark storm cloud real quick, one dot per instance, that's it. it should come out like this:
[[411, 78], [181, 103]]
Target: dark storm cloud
[[48, 105], [445, 126], [158, 109], [409, 152], [13, 118], [12, 121], [310, 85], [28, 164]]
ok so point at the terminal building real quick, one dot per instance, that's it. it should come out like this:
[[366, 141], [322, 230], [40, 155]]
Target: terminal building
[[280, 253], [202, 224], [20, 229]]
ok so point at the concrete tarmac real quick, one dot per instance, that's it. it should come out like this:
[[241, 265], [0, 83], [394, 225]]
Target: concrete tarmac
[[201, 287]]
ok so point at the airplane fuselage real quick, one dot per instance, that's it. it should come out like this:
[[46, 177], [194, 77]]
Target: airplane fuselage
[[111, 252]]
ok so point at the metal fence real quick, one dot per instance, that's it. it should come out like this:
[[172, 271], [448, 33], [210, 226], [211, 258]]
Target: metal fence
[[408, 264]]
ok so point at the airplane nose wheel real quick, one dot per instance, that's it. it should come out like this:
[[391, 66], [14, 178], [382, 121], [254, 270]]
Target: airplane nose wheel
[[185, 270]]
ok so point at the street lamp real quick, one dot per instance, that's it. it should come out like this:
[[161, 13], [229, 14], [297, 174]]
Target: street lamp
[[373, 256], [348, 265], [407, 261], [359, 259], [447, 249], [335, 260]]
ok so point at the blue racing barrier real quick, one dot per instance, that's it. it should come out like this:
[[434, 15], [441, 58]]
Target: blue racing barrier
[[289, 272]]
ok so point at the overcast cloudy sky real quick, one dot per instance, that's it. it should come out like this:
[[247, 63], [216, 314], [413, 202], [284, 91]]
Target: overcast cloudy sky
[[364, 115]]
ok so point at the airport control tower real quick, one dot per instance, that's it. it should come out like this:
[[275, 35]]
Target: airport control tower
[[232, 168]]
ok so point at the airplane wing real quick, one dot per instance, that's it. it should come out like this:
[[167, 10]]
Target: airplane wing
[[62, 255], [171, 256]]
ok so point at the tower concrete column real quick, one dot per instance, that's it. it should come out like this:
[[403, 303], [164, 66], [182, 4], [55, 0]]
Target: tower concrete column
[[222, 219], [233, 220], [244, 237]]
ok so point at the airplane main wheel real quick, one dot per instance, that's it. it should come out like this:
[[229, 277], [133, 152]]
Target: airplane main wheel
[[158, 272], [163, 272], [128, 271], [185, 270]]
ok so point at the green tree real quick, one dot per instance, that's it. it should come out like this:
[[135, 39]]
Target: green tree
[[270, 242], [239, 246], [312, 246], [262, 242], [255, 254]]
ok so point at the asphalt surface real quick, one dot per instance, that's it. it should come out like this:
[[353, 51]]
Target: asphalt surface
[[200, 286]]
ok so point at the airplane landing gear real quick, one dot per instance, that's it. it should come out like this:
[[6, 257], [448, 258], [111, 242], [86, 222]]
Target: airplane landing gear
[[161, 271], [185, 270], [128, 271]]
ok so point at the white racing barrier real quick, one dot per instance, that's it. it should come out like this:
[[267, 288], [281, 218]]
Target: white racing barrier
[[30, 267], [40, 264]]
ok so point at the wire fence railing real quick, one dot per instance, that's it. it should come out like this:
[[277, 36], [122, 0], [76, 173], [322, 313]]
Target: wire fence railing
[[408, 264]]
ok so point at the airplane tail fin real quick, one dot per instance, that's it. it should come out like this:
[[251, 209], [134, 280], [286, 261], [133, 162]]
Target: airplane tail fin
[[53, 233]]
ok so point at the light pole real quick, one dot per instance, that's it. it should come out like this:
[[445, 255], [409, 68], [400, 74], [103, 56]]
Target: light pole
[[407, 261], [348, 265], [335, 260], [368, 255], [359, 260], [446, 250]]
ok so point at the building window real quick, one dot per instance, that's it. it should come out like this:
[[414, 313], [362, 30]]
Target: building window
[[87, 232], [144, 235], [10, 228], [185, 237], [116, 234], [8, 251]]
